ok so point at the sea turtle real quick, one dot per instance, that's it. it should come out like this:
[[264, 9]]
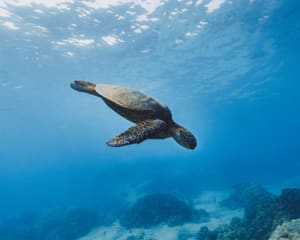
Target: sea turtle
[[153, 119]]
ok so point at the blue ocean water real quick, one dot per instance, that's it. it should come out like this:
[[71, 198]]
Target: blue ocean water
[[228, 70]]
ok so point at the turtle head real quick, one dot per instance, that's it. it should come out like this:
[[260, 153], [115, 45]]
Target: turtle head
[[183, 136]]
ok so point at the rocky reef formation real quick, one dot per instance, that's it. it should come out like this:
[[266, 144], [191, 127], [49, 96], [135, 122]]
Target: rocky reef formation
[[155, 209], [287, 231], [244, 195], [159, 216], [263, 212]]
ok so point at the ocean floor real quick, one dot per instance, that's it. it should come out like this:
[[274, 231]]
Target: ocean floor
[[245, 212], [209, 201]]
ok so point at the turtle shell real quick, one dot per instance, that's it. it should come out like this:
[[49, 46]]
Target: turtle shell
[[132, 104]]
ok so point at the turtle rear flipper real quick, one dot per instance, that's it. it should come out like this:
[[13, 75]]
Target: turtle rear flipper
[[138, 133], [84, 86]]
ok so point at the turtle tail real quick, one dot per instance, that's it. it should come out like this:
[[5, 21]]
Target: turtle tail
[[84, 86]]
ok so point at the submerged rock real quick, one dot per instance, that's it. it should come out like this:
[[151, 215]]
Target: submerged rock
[[263, 212], [288, 204], [156, 209], [205, 234], [287, 231], [259, 214], [235, 230], [244, 195]]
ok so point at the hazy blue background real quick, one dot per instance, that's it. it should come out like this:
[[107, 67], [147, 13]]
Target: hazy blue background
[[228, 70]]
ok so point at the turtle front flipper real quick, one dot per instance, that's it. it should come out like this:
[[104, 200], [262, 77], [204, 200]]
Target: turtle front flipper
[[138, 133]]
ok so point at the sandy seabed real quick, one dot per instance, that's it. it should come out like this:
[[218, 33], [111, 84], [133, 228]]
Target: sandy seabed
[[209, 201]]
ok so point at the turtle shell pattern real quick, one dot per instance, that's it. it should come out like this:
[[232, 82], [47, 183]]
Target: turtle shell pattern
[[132, 104]]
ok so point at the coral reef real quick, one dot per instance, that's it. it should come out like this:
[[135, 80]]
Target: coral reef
[[259, 212], [158, 209], [287, 231], [235, 230], [205, 234], [288, 204], [244, 195], [158, 216], [263, 212]]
